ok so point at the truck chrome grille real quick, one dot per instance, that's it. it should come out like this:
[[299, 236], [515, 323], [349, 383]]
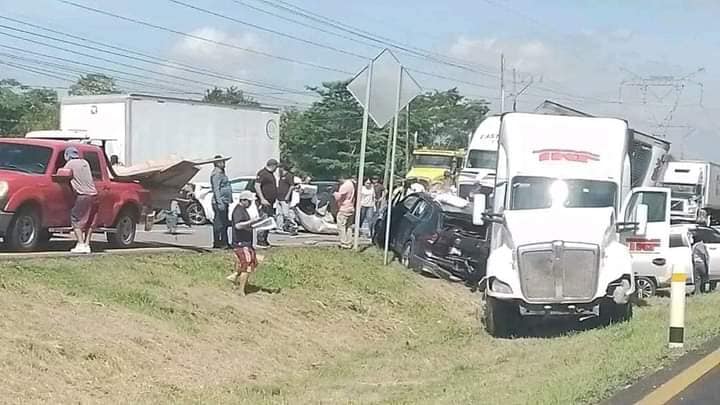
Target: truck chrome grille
[[558, 271]]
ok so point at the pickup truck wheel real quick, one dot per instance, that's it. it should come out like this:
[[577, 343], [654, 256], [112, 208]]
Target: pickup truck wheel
[[24, 232], [196, 214], [645, 287], [501, 319], [124, 235]]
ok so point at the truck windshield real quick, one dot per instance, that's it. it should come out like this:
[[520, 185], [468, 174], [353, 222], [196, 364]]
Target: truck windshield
[[684, 191], [544, 192], [482, 159], [24, 158], [433, 161]]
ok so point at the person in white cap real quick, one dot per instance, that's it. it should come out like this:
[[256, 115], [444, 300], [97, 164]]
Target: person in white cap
[[85, 207], [242, 241]]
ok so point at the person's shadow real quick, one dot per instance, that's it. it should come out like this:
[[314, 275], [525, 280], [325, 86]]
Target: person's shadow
[[252, 289]]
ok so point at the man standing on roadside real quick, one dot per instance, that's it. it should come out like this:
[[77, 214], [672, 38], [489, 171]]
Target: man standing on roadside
[[85, 208], [285, 189], [345, 199], [221, 199], [267, 192]]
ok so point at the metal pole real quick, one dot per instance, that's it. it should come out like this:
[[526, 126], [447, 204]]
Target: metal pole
[[515, 93], [363, 143], [677, 307], [387, 158], [392, 167], [502, 83], [407, 138]]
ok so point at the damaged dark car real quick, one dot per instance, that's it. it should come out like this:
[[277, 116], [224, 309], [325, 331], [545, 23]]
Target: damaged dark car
[[436, 238]]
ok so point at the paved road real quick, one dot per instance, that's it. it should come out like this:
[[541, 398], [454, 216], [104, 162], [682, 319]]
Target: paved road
[[706, 390]]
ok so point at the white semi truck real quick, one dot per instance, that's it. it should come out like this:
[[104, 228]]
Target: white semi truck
[[481, 158], [139, 128], [564, 211], [695, 189]]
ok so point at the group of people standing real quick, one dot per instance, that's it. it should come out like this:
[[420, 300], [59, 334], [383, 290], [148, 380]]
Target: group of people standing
[[372, 198]]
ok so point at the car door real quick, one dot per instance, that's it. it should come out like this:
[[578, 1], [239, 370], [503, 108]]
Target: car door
[[654, 242], [106, 196], [711, 239], [59, 197], [412, 220], [397, 219]]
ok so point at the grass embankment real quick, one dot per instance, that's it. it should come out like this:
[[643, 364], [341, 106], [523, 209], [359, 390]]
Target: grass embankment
[[343, 329]]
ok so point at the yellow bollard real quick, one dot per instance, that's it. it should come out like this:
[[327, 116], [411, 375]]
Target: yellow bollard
[[677, 307]]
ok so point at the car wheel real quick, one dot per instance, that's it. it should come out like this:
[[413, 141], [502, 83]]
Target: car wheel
[[501, 319], [645, 287], [124, 235], [24, 231], [196, 214]]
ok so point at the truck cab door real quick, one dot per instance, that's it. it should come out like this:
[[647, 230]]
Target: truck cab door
[[652, 235], [106, 199]]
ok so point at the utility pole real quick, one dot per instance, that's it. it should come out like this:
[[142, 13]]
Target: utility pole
[[407, 138], [387, 158], [502, 83], [514, 88]]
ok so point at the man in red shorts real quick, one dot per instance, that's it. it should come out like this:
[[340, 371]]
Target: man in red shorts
[[242, 241], [85, 208]]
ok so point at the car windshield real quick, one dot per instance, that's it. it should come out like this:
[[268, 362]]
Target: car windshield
[[544, 192], [433, 161], [31, 159], [683, 191], [482, 159]]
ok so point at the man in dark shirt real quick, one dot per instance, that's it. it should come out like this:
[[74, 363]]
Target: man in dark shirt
[[242, 241], [379, 193], [286, 186], [221, 199], [267, 192]]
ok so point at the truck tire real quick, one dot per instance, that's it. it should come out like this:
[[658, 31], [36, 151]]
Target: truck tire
[[611, 313], [501, 319], [125, 227], [24, 232]]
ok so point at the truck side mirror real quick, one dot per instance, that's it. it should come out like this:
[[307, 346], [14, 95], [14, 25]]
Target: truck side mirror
[[641, 217], [479, 206]]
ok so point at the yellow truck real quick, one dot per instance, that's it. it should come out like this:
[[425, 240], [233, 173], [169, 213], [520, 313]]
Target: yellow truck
[[429, 166]]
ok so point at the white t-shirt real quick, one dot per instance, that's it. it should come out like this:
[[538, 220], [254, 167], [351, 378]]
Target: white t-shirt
[[367, 197]]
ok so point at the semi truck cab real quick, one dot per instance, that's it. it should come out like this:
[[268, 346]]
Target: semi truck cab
[[563, 213]]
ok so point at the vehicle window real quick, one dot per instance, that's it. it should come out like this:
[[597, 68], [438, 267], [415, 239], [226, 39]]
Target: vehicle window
[[433, 161], [24, 158], [94, 162], [656, 206], [239, 185], [409, 202], [544, 192], [420, 208], [676, 240], [482, 159], [708, 235]]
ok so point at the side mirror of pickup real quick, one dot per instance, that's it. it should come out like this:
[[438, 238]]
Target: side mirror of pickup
[[62, 176]]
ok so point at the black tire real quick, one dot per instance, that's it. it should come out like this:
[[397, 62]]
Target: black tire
[[646, 287], [125, 227], [195, 214], [611, 313], [24, 232], [501, 319]]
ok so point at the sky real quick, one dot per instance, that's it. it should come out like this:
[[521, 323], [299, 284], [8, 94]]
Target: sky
[[592, 55]]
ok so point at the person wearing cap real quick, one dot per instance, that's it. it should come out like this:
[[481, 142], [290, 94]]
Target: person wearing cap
[[267, 192], [84, 210], [242, 242], [221, 200]]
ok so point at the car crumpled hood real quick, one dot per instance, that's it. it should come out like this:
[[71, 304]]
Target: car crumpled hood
[[584, 225]]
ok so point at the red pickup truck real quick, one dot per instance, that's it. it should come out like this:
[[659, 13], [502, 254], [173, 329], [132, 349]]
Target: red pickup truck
[[35, 204]]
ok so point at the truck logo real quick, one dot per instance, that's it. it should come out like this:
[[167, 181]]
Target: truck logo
[[566, 155]]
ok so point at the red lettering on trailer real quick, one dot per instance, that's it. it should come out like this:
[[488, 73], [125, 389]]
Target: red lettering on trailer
[[643, 245], [566, 155]]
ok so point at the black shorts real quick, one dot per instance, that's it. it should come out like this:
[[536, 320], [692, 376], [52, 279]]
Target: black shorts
[[84, 211]]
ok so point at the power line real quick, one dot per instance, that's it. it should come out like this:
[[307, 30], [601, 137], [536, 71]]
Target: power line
[[204, 39]]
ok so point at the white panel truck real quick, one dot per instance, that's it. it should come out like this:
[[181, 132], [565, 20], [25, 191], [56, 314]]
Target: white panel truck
[[481, 158], [140, 128], [695, 189], [562, 216]]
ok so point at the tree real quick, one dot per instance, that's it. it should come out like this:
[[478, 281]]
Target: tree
[[94, 84], [23, 109], [231, 95]]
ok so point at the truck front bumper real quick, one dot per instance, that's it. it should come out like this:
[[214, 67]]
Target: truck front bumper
[[5, 219]]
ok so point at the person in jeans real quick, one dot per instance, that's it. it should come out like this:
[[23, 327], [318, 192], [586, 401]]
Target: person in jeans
[[267, 192], [85, 207], [286, 186], [221, 200], [367, 204], [345, 199]]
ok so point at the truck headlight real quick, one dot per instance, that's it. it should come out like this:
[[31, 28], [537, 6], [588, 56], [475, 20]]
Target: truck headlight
[[500, 287]]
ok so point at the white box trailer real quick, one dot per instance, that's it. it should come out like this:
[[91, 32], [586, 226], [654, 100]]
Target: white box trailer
[[695, 189], [140, 128]]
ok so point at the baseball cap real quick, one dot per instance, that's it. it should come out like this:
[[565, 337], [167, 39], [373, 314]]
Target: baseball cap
[[71, 153], [246, 195]]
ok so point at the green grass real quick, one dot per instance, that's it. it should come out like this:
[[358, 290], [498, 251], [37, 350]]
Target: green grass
[[343, 329]]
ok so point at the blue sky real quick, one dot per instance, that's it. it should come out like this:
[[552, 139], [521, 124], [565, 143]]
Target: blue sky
[[576, 52]]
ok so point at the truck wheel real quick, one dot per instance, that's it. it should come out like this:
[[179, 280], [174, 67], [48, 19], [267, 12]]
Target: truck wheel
[[24, 231], [501, 318], [196, 214], [124, 235], [645, 287], [611, 313]]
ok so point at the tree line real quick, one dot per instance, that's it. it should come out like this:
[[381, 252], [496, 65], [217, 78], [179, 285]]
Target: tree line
[[322, 140]]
